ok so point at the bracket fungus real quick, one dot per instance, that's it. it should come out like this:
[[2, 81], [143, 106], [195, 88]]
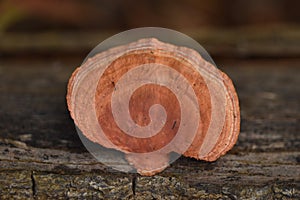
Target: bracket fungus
[[150, 98]]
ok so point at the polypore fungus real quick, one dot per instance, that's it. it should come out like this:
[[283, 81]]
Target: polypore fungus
[[150, 98]]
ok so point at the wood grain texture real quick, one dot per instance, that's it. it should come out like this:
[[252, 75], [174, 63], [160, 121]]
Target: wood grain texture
[[42, 156]]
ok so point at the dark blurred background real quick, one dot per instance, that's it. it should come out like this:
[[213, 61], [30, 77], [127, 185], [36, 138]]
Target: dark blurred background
[[42, 15], [233, 28]]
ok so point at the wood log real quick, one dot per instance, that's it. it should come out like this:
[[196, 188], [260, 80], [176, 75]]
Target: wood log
[[42, 157]]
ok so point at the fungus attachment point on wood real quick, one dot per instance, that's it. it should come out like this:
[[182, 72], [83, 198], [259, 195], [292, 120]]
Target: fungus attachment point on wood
[[149, 99]]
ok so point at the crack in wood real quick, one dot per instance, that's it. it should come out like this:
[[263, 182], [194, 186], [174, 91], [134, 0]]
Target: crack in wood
[[33, 184], [134, 179]]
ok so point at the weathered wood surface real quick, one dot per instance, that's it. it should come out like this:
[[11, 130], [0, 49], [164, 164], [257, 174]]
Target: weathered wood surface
[[41, 155]]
